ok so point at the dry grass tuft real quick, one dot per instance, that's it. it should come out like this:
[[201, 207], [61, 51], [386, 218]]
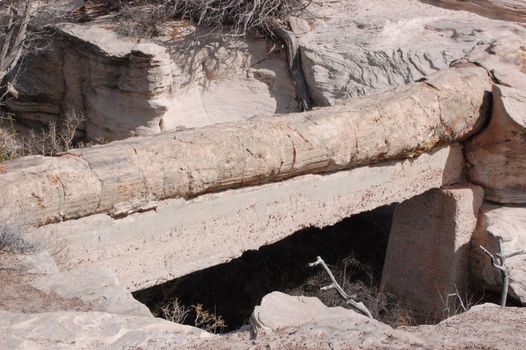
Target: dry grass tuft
[[196, 316]]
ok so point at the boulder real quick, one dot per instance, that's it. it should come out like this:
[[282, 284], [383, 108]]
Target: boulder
[[428, 252], [280, 313], [485, 326], [509, 224]]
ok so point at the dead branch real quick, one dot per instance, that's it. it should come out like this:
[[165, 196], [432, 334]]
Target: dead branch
[[14, 36], [335, 285], [498, 260]]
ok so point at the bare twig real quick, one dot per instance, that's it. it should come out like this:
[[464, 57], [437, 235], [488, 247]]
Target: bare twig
[[335, 285], [498, 261]]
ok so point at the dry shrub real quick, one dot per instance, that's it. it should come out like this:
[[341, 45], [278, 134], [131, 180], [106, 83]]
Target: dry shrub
[[196, 316], [210, 322], [11, 146], [55, 139], [241, 15], [238, 16], [455, 304], [174, 311], [49, 141], [142, 21]]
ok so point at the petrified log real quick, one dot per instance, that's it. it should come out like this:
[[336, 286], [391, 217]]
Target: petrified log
[[446, 108]]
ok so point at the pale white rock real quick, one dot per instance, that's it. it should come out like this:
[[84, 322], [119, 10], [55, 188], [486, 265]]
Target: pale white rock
[[91, 330], [37, 263], [485, 326], [362, 47], [508, 224], [279, 312], [428, 253], [96, 287]]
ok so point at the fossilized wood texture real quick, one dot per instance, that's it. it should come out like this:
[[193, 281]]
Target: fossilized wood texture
[[509, 10], [182, 236], [509, 224], [123, 176], [497, 156]]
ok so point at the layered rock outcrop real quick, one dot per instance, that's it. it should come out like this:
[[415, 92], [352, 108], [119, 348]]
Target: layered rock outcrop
[[123, 87], [146, 186]]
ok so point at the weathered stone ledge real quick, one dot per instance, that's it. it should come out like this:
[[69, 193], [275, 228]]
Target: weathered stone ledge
[[181, 236]]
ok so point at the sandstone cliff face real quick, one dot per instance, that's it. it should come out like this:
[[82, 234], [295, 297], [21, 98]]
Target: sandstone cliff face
[[127, 88]]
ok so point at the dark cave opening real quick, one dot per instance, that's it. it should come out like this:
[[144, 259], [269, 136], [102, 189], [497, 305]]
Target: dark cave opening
[[354, 248]]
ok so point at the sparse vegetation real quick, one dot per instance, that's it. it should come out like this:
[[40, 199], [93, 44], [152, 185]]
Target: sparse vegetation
[[55, 138], [142, 21], [174, 311], [239, 17], [10, 144], [50, 141], [358, 281], [455, 304], [207, 320], [196, 315]]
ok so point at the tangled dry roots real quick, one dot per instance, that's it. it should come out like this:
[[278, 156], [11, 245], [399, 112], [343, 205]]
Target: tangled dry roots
[[241, 15]]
